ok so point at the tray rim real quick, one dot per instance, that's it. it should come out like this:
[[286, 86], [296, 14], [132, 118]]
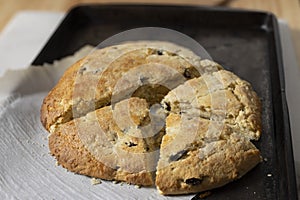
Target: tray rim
[[170, 5], [291, 174]]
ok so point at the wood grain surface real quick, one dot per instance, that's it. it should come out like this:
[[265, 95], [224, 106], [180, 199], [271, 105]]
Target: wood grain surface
[[288, 10]]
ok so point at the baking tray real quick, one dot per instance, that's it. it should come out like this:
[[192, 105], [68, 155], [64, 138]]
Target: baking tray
[[245, 42]]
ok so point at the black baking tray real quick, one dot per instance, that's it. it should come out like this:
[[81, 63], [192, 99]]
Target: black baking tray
[[245, 42]]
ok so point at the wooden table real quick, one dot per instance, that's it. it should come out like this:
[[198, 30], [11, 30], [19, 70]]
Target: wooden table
[[288, 10]]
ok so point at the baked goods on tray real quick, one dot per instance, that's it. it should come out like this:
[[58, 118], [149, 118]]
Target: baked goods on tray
[[153, 113]]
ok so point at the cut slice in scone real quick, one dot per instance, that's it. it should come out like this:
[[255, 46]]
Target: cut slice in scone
[[97, 145], [147, 69], [208, 131]]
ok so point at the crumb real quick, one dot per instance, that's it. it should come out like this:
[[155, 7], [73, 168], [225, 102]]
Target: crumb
[[269, 175], [137, 186], [115, 182], [56, 163], [204, 194], [254, 192], [247, 187], [265, 159], [95, 181]]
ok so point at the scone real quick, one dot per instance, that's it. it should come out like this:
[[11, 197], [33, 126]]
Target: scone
[[153, 113], [208, 131]]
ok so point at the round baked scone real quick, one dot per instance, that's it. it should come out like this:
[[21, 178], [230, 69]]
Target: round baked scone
[[153, 113]]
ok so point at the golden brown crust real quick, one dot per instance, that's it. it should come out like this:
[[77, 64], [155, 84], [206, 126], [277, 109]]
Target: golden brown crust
[[69, 151], [54, 105], [72, 155]]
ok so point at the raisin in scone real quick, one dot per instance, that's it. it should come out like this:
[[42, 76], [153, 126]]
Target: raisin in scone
[[208, 131]]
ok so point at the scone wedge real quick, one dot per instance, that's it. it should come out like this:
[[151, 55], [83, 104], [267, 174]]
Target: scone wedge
[[96, 145], [208, 131]]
